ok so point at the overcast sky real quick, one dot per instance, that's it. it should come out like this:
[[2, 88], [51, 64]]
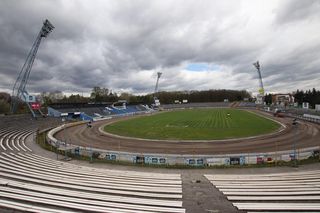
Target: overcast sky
[[196, 44]]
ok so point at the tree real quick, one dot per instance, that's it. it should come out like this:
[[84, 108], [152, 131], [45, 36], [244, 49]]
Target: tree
[[202, 96], [298, 96], [268, 98], [5, 99], [125, 96], [313, 97], [4, 106]]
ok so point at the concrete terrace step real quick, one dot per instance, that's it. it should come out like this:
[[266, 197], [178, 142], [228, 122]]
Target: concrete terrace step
[[299, 191]]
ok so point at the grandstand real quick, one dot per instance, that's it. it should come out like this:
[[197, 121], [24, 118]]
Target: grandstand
[[89, 111], [247, 104], [26, 121], [32, 183], [196, 105], [281, 192]]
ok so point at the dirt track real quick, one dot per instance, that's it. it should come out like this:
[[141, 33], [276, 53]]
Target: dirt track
[[307, 135]]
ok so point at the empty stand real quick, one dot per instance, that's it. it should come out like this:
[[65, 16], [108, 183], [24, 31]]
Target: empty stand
[[99, 110], [30, 178], [32, 183], [193, 105], [14, 140], [295, 191]]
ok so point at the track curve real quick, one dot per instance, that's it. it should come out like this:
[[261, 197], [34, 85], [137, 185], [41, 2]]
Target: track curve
[[307, 135]]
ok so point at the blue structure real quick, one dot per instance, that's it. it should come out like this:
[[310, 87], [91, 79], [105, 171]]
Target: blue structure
[[91, 112]]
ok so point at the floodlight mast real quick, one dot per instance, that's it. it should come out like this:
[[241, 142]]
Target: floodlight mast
[[261, 89], [157, 84], [19, 89], [155, 99]]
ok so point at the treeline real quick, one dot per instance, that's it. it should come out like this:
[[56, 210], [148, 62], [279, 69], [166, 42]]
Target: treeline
[[5, 99], [97, 95], [203, 96], [311, 96], [5, 103], [105, 95]]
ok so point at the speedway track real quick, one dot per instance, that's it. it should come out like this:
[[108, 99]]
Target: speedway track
[[305, 135]]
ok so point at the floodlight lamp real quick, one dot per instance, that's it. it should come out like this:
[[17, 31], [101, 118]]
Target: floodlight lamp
[[46, 28], [256, 65]]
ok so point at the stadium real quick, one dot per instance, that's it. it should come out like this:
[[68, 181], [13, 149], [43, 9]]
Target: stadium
[[34, 179], [275, 143], [215, 150]]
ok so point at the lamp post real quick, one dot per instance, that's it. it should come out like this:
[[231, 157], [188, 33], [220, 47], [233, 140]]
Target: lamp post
[[295, 126]]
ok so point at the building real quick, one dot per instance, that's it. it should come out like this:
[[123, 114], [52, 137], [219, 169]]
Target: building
[[283, 99]]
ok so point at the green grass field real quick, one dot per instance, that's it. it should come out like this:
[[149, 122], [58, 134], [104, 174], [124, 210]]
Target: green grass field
[[195, 124]]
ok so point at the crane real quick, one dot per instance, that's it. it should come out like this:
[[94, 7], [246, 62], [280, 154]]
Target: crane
[[19, 91]]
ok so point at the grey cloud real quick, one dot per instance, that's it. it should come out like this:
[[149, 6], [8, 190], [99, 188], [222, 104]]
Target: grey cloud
[[122, 44], [296, 10]]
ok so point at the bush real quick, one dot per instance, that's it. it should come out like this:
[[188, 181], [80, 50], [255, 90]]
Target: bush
[[95, 155]]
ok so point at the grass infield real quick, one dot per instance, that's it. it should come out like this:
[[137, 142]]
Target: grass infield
[[195, 124]]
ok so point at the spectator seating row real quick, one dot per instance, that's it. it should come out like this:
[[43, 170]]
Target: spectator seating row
[[38, 181], [14, 140], [32, 183], [292, 191], [105, 111], [124, 110], [247, 104]]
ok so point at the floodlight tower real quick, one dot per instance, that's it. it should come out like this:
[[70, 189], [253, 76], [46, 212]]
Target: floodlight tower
[[157, 84], [261, 89], [156, 101], [19, 89]]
